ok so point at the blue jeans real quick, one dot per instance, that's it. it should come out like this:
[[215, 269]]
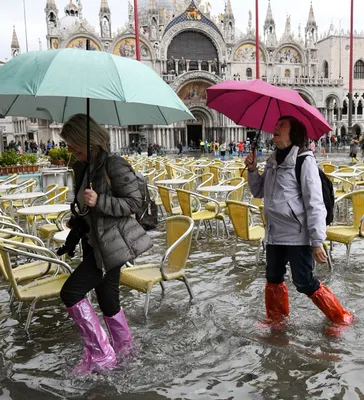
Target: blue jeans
[[301, 261]]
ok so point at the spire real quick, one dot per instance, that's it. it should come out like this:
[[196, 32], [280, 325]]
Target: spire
[[229, 14], [104, 7], [287, 30], [51, 4], [311, 17], [269, 20], [270, 35], [14, 41], [15, 48]]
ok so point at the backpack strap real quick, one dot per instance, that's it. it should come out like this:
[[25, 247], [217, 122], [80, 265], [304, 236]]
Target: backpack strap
[[299, 162]]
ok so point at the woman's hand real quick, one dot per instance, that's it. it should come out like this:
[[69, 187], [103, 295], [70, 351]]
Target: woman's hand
[[251, 161], [319, 254], [90, 197]]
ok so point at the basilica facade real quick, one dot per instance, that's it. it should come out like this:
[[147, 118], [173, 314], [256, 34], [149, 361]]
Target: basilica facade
[[191, 49]]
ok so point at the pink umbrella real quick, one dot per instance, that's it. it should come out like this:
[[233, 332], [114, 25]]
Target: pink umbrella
[[258, 104]]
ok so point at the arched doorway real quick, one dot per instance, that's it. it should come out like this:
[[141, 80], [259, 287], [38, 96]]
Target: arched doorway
[[356, 131], [195, 132], [200, 129]]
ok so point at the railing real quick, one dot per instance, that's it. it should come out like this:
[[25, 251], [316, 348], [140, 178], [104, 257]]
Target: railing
[[304, 81], [169, 78]]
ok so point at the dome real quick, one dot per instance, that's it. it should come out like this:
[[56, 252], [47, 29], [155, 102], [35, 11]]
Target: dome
[[71, 9], [67, 22], [71, 17], [169, 6]]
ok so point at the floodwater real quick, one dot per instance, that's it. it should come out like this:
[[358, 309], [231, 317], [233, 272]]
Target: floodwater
[[210, 348]]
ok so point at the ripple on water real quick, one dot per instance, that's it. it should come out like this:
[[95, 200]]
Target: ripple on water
[[212, 347]]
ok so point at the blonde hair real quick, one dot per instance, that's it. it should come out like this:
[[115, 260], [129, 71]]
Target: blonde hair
[[74, 132]]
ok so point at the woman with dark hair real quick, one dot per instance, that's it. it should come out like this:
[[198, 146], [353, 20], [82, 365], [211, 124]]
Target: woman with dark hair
[[295, 223]]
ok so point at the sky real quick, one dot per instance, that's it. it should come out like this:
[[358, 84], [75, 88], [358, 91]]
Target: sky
[[326, 12]]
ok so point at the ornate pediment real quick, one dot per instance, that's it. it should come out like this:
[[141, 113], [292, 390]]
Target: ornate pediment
[[79, 27]]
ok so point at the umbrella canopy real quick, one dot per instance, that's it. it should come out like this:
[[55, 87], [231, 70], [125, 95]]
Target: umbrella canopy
[[258, 104], [55, 84]]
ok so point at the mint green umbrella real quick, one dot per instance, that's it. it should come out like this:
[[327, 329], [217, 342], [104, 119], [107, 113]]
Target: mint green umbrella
[[55, 84]]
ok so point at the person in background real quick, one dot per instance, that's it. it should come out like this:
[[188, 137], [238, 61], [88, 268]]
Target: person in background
[[354, 150], [295, 223], [150, 150], [216, 148], [223, 150], [114, 237], [240, 148], [180, 148]]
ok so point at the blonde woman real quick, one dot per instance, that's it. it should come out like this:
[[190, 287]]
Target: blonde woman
[[113, 238]]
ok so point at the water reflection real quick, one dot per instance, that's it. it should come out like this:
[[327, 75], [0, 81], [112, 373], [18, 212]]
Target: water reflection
[[212, 347]]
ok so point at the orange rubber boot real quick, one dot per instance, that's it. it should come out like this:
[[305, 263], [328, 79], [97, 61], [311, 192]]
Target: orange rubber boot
[[276, 301], [327, 302]]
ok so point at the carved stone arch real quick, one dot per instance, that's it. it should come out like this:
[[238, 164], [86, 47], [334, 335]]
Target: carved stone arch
[[190, 76], [69, 39], [343, 130], [250, 41], [357, 129], [206, 30], [294, 46], [335, 97], [126, 35], [207, 114], [308, 95]]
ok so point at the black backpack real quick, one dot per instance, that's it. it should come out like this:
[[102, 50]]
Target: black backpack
[[148, 214], [327, 189]]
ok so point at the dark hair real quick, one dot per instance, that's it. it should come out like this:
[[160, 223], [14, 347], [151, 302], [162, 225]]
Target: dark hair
[[298, 132]]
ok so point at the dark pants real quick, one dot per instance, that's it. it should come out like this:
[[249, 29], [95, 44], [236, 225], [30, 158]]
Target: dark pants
[[88, 276], [301, 261]]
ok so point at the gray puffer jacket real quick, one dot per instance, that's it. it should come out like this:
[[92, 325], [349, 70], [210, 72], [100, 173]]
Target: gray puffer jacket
[[294, 215], [116, 236]]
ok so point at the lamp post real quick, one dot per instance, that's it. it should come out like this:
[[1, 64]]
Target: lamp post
[[136, 28], [25, 26], [257, 52], [350, 122]]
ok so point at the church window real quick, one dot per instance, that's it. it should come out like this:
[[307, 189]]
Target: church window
[[359, 70], [345, 108], [249, 73], [192, 46], [204, 66], [52, 17], [326, 69], [360, 108]]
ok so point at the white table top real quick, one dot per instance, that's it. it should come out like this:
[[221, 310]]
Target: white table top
[[180, 181], [7, 187], [216, 188], [44, 210], [22, 196], [233, 167], [54, 170], [345, 174], [61, 236]]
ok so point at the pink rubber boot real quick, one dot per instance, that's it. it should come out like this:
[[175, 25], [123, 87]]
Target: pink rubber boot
[[120, 333], [98, 353]]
